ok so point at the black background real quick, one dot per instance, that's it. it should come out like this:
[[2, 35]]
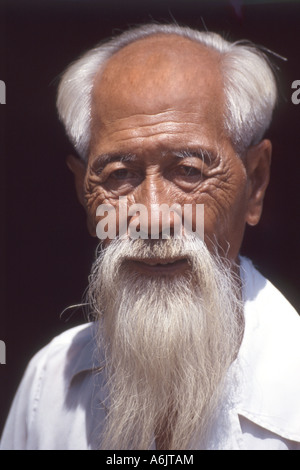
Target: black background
[[47, 252]]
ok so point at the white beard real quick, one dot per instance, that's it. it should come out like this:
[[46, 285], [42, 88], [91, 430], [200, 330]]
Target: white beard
[[169, 343]]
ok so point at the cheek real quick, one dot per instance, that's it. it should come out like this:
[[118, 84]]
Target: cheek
[[95, 196], [225, 212]]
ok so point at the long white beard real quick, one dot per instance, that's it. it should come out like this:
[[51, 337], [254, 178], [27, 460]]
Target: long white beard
[[169, 343]]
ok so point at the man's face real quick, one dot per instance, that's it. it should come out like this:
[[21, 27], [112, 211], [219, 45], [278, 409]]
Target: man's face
[[158, 137]]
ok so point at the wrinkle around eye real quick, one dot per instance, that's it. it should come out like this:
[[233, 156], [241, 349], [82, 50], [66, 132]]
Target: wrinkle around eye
[[121, 184], [186, 177], [122, 174]]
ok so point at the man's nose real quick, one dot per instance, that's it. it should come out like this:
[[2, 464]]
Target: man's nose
[[153, 215]]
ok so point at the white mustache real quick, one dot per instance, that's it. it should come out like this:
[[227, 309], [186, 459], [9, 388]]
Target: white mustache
[[167, 249]]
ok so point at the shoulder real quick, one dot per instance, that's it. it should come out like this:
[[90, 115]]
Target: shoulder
[[66, 348], [268, 312], [270, 357], [67, 354]]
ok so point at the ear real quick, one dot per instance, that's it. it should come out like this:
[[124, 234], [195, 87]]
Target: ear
[[257, 162], [78, 169]]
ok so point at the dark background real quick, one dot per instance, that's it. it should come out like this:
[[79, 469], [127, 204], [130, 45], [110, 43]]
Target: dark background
[[47, 252]]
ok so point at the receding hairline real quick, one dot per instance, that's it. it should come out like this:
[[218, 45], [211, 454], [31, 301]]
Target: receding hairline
[[177, 42], [160, 67]]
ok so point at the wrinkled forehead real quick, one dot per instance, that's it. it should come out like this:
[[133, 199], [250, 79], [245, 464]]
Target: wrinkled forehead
[[159, 73]]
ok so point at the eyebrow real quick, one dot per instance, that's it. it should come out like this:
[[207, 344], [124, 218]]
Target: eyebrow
[[102, 160], [205, 155]]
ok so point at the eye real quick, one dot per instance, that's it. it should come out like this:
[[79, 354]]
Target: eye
[[121, 179], [186, 175], [122, 174], [188, 171]]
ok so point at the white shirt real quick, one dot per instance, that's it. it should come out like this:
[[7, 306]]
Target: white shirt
[[59, 404]]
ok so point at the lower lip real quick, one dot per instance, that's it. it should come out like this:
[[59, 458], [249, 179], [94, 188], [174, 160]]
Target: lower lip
[[169, 268]]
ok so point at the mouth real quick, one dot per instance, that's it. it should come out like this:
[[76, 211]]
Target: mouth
[[159, 266]]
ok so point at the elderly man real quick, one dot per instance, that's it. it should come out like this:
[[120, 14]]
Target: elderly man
[[189, 347]]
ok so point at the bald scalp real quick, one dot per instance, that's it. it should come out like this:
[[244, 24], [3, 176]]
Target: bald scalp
[[157, 72]]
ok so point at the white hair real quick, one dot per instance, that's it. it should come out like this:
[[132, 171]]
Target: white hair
[[249, 84], [168, 342]]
